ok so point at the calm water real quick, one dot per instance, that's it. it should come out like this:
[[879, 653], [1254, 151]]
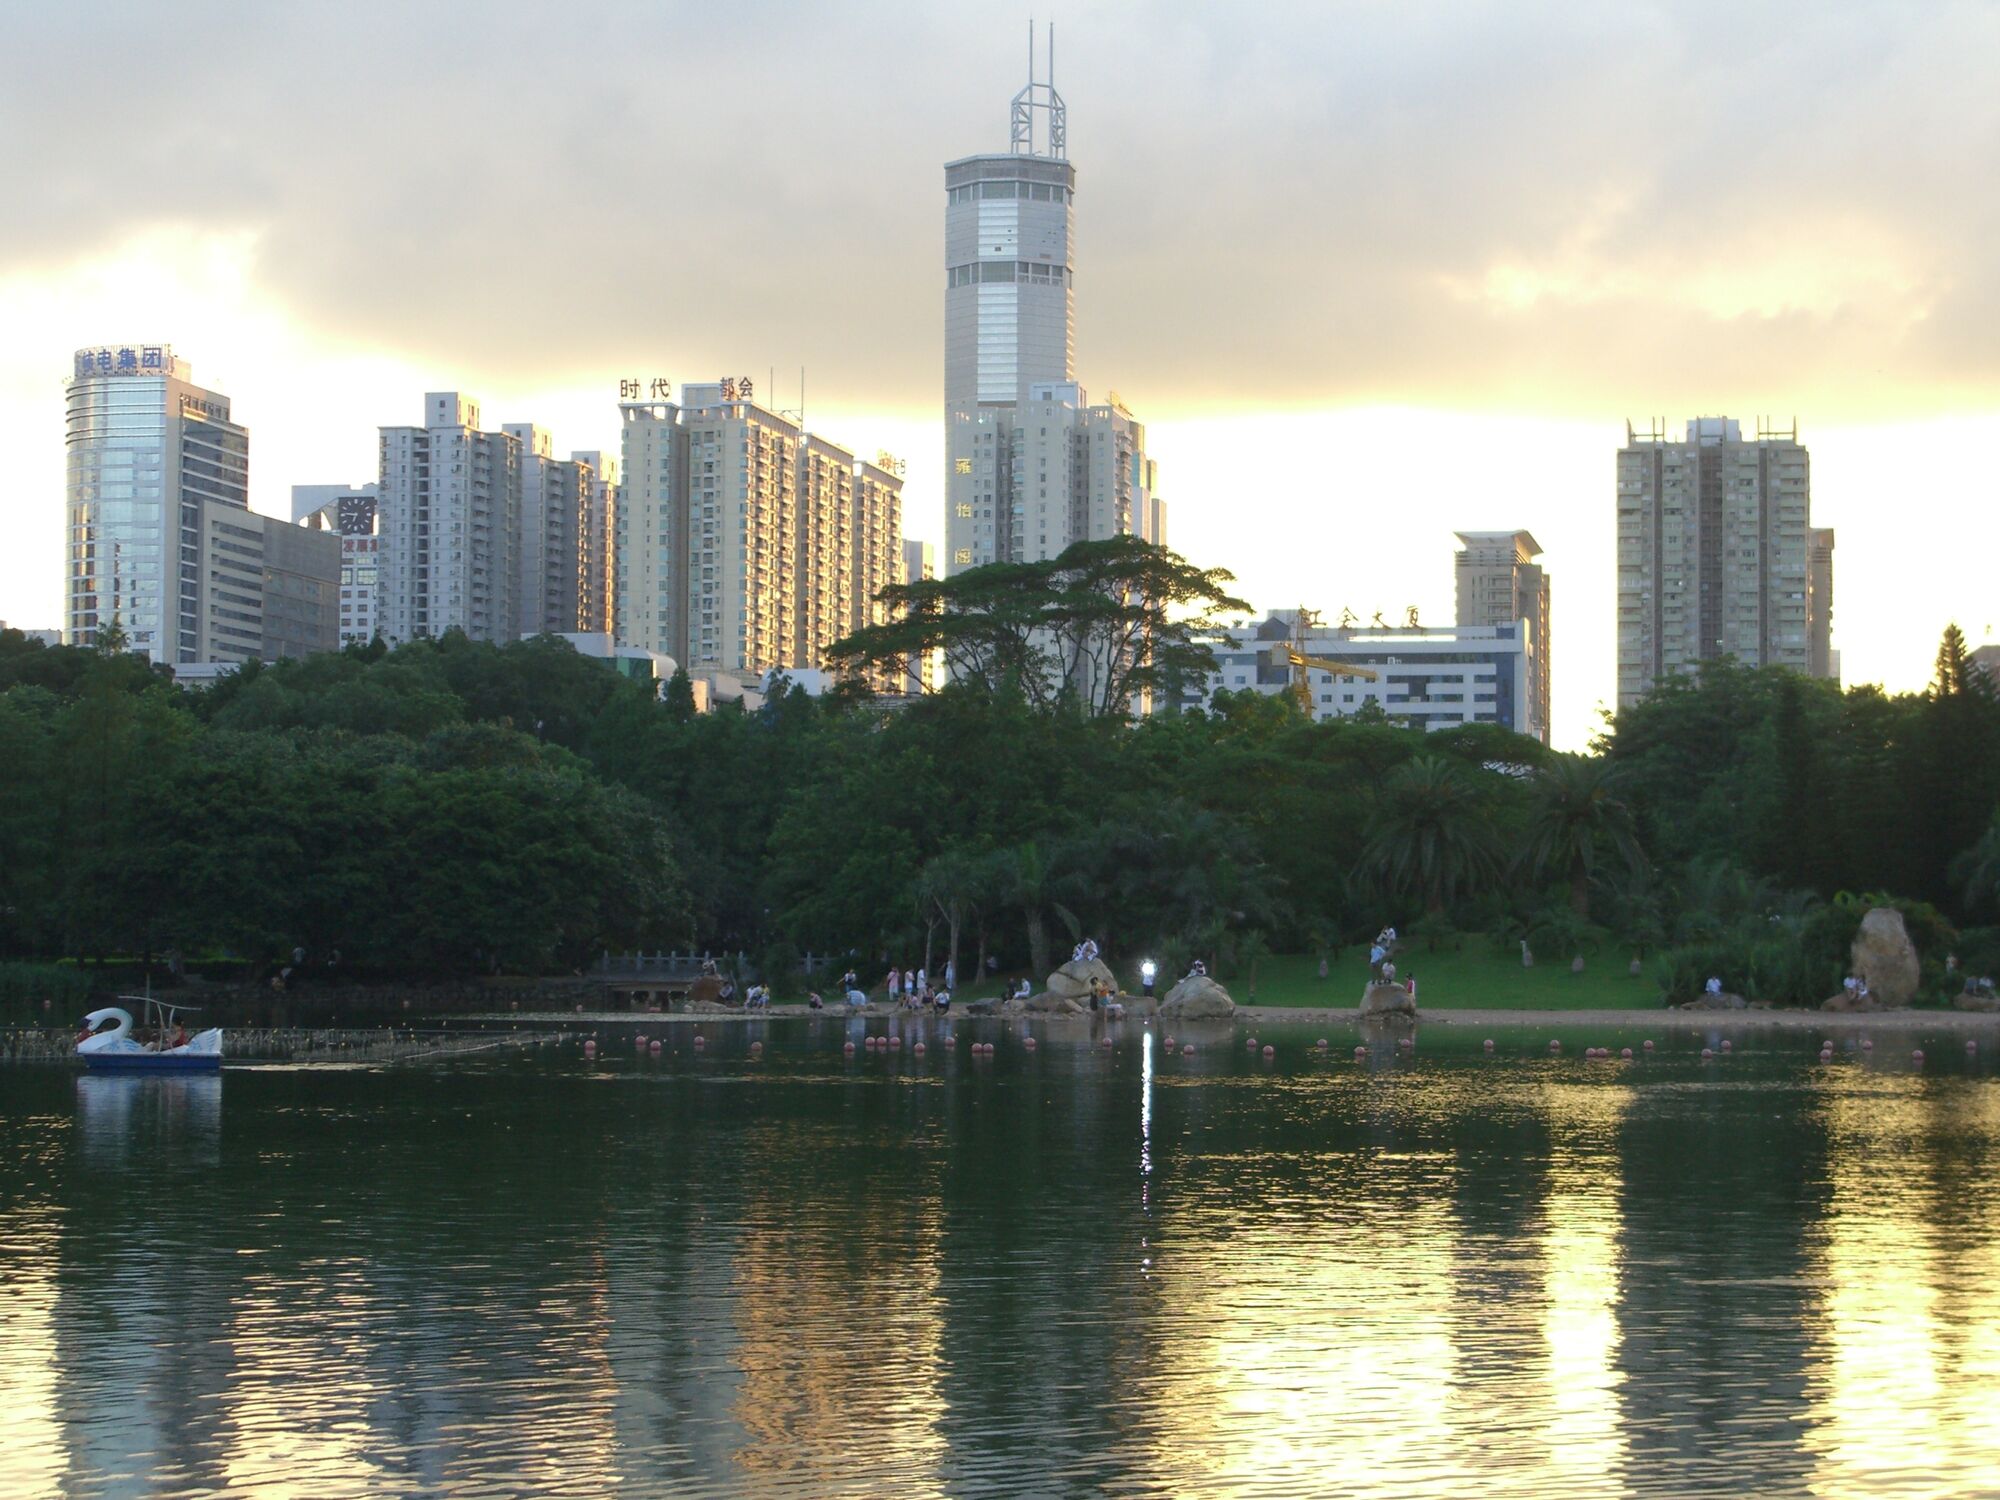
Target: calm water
[[1060, 1273]]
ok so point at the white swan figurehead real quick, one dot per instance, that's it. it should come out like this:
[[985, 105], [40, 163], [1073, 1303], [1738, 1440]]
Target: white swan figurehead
[[118, 1039]]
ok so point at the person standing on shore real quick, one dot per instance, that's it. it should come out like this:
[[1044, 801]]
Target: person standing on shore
[[895, 986]]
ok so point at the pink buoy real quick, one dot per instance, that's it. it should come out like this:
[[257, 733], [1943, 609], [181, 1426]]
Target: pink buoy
[[1647, 1044], [848, 1048], [1489, 1044], [1408, 1043], [1917, 1056], [639, 1041], [1105, 1043], [1321, 1044], [1725, 1044], [1360, 1053], [1554, 1045], [918, 1049], [1825, 1046], [756, 1049], [1626, 1053], [1269, 1053], [896, 1043], [1170, 1044], [1868, 1044], [655, 1049], [1707, 1052], [590, 1049], [1188, 1050], [1250, 1044], [700, 1042], [1029, 1043]]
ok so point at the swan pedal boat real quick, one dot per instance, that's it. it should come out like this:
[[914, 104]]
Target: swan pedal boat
[[116, 1051]]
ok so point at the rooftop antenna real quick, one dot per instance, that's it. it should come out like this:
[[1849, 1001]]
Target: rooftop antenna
[[1042, 97]]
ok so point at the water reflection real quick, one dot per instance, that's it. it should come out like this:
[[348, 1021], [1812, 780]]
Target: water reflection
[[1073, 1270]]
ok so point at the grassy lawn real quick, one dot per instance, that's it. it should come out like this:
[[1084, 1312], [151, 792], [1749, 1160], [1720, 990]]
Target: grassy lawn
[[1474, 977]]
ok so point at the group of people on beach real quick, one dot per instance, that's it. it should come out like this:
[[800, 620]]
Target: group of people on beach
[[912, 989]]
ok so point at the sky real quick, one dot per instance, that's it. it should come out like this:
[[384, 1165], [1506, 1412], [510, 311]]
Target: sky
[[1370, 273]]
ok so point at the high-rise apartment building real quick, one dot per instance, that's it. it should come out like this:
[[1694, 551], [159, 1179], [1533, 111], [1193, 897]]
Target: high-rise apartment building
[[450, 525], [1500, 583], [919, 564], [744, 543], [1822, 659], [162, 539], [556, 496], [1713, 556], [1030, 467], [349, 512], [596, 580]]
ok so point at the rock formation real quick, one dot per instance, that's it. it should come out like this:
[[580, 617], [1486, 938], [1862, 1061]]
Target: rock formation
[[1972, 997], [1721, 1000], [1197, 998], [1074, 979], [1850, 1001], [1387, 1000], [1885, 958]]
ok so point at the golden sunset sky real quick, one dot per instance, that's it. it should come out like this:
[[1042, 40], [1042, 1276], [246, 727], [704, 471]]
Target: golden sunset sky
[[1371, 273]]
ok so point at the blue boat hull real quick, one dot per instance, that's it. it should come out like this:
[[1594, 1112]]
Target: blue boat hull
[[144, 1062]]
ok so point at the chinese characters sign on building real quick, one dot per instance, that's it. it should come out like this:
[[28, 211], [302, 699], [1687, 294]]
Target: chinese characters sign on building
[[126, 359], [638, 390], [738, 389]]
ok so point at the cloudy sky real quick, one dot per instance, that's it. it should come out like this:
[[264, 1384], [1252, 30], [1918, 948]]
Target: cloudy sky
[[1372, 273]]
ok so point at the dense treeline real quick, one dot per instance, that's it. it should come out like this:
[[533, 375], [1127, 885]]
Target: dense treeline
[[450, 807]]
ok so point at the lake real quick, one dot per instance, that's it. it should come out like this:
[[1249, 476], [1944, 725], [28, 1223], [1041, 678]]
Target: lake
[[1071, 1271]]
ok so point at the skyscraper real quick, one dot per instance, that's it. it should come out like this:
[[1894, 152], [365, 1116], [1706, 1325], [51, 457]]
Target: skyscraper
[[1499, 583], [555, 495], [596, 586], [1712, 551], [150, 452], [450, 523], [1823, 661], [162, 539], [1010, 315]]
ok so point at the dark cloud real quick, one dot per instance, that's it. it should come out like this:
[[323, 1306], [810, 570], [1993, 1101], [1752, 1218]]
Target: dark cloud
[[1570, 207]]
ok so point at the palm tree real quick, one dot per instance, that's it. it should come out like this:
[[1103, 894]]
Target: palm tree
[[1578, 820], [1429, 834]]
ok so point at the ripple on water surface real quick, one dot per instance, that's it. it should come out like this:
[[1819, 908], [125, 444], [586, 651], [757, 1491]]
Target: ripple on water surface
[[1062, 1271]]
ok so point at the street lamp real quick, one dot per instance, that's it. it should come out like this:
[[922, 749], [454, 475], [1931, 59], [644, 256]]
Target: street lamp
[[1146, 972]]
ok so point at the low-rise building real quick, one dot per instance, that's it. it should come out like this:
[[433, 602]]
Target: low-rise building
[[1430, 677]]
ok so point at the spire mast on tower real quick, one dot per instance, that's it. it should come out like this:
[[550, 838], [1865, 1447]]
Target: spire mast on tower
[[1039, 97]]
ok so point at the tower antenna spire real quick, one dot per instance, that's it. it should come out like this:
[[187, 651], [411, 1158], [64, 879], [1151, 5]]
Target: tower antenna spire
[[1040, 98]]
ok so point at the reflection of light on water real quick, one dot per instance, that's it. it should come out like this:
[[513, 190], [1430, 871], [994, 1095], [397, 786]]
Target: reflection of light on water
[[125, 1119], [1580, 1276], [32, 1446], [1905, 1378]]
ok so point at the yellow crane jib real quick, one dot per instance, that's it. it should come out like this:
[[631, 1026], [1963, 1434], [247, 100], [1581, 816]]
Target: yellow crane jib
[[1301, 688]]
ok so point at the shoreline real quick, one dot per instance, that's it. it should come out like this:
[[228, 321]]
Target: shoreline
[[1660, 1018]]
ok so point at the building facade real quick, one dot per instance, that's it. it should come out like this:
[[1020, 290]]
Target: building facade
[[1821, 659], [348, 512], [745, 543], [1030, 466], [148, 451], [1429, 677], [1713, 551], [596, 572], [1498, 582], [553, 592], [450, 526]]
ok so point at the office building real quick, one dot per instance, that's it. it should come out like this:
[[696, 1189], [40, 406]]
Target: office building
[[148, 450], [450, 526], [744, 542], [161, 535], [1429, 677], [1821, 659], [596, 581], [1030, 466], [1500, 583], [1713, 551], [349, 512]]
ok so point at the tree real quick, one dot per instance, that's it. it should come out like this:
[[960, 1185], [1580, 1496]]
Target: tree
[[1576, 821], [1429, 836], [1098, 628]]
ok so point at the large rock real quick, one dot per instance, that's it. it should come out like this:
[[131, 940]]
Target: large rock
[[1885, 957], [1073, 980], [1388, 1000], [1197, 998], [1973, 998], [1849, 1001], [1722, 1001]]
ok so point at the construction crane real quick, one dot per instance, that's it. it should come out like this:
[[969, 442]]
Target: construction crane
[[1302, 664]]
